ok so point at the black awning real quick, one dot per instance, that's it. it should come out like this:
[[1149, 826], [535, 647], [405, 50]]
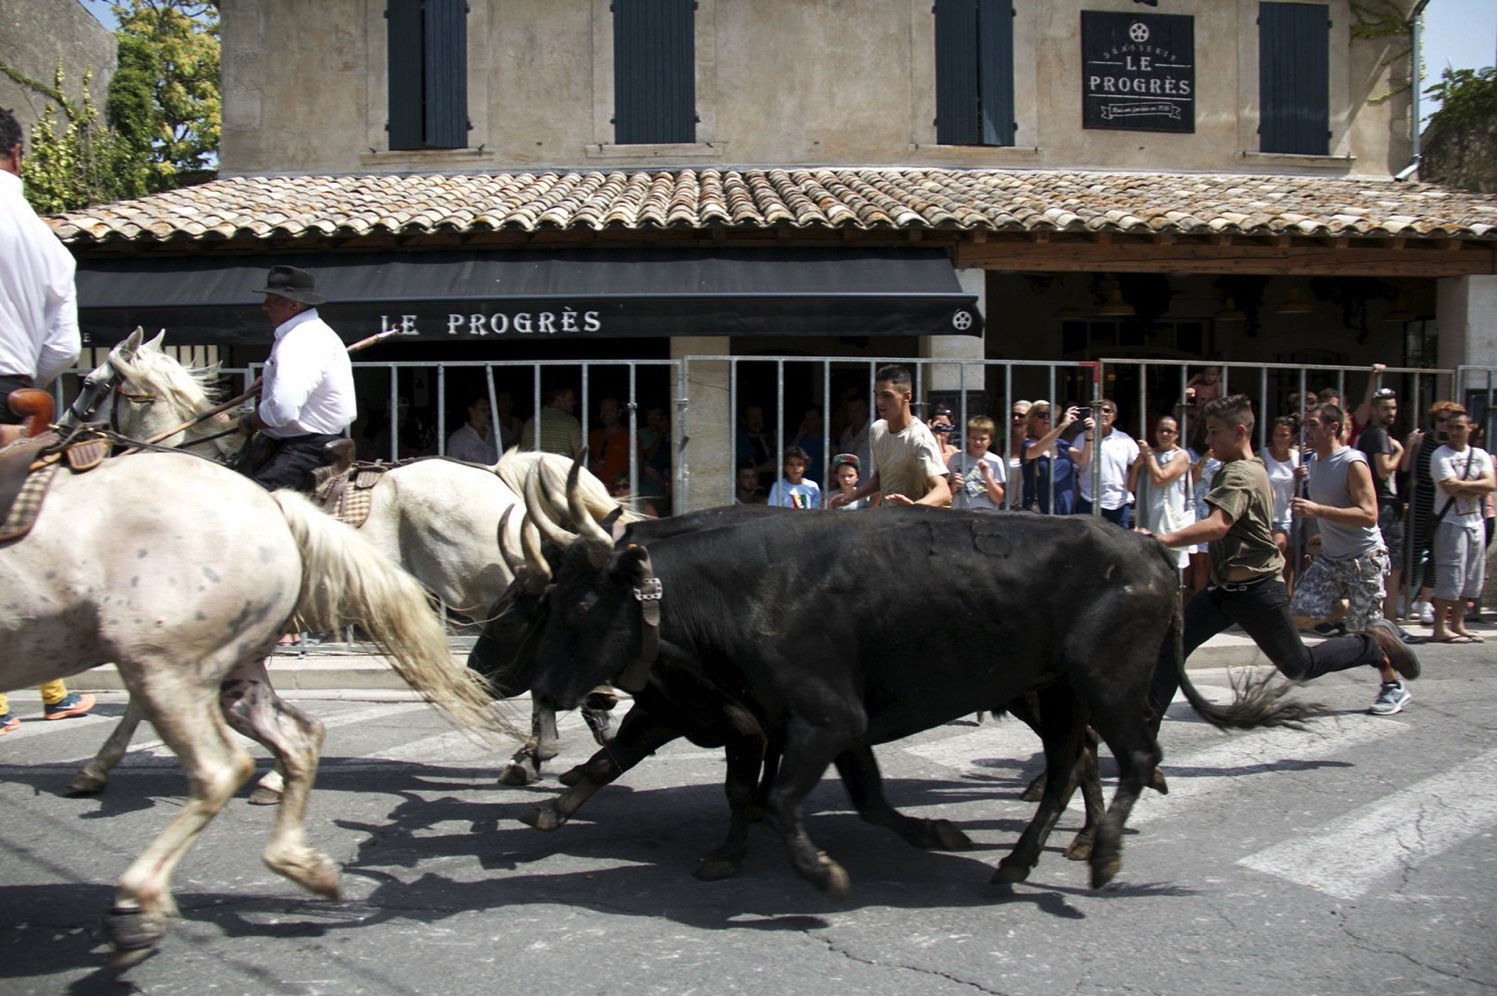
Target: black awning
[[573, 294]]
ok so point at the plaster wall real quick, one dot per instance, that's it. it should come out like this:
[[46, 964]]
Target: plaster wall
[[38, 35]]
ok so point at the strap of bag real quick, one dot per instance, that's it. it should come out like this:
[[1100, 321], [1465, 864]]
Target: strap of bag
[[1452, 500]]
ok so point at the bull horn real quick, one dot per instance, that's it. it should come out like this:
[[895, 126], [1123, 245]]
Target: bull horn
[[537, 570], [536, 513], [600, 544], [515, 563]]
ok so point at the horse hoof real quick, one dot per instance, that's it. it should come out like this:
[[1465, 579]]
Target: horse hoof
[[85, 784], [263, 796], [133, 933], [542, 819], [1010, 872], [516, 774], [711, 869], [949, 838]]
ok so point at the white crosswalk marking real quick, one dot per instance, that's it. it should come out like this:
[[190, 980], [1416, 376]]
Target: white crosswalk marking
[[1355, 852]]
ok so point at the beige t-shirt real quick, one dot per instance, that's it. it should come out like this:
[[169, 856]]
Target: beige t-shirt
[[905, 460], [1241, 489]]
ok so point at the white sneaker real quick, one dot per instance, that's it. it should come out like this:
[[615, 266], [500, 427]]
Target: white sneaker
[[1392, 697], [1426, 612]]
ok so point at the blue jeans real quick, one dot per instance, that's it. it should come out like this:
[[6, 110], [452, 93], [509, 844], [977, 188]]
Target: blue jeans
[[1263, 611]]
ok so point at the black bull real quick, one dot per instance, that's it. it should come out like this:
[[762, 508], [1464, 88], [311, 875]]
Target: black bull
[[825, 634]]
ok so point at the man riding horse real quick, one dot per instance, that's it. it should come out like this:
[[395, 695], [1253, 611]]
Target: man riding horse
[[307, 392]]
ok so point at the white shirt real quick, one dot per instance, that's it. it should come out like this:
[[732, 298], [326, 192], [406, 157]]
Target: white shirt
[[1118, 451], [38, 304], [466, 444], [1446, 462], [309, 381]]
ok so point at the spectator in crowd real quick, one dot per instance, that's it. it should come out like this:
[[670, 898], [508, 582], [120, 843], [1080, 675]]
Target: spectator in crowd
[[1050, 476], [510, 427], [1282, 461], [809, 437], [845, 477], [39, 336], [1160, 477], [1420, 569], [1245, 586], [1362, 415], [907, 464], [474, 439], [795, 490], [655, 451], [1385, 459], [1462, 474], [554, 429], [1116, 452], [1351, 562], [754, 443], [608, 445], [854, 438], [746, 490], [619, 490], [940, 422], [1203, 469], [1014, 489], [978, 476]]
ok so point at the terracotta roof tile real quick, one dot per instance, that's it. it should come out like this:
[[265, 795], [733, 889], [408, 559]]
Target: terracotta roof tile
[[826, 198]]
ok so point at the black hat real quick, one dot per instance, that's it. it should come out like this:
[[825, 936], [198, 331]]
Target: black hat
[[290, 282]]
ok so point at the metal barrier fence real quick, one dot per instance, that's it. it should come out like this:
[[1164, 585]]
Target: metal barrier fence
[[703, 397]]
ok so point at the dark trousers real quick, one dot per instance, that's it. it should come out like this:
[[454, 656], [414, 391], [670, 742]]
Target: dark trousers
[[1263, 610], [8, 383], [1118, 516], [286, 463]]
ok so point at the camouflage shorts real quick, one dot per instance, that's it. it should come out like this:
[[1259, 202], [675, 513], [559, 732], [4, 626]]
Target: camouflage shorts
[[1360, 580]]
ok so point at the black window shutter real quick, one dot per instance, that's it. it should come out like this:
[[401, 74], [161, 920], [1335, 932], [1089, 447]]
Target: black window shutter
[[655, 72], [956, 72], [446, 52], [1294, 78], [996, 71], [403, 45]]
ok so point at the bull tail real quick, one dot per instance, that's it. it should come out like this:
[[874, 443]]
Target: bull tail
[[1258, 701], [345, 579]]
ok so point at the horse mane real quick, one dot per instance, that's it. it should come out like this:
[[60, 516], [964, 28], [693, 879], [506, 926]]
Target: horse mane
[[187, 391]]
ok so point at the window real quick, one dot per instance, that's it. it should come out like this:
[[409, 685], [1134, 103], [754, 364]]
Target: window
[[1294, 78], [427, 42], [974, 72], [655, 72]]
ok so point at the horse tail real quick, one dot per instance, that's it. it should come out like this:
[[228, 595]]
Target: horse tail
[[344, 579]]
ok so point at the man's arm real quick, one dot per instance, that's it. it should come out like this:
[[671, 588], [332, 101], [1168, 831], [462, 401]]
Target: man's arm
[[1363, 414], [1364, 508], [870, 485], [1214, 527]]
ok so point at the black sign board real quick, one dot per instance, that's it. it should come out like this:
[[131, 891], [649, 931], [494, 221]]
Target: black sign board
[[1138, 72]]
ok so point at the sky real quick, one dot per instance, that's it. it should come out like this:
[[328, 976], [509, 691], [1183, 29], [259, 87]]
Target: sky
[[1462, 34]]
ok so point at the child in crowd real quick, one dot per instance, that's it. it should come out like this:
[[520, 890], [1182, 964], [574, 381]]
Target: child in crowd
[[845, 468], [977, 476], [795, 491]]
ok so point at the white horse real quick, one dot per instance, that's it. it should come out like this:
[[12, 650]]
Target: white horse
[[437, 519], [187, 597]]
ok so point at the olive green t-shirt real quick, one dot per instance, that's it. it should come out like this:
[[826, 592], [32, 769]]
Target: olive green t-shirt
[[1241, 489]]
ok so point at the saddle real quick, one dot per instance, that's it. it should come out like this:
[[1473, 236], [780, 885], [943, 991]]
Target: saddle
[[31, 454], [343, 488]]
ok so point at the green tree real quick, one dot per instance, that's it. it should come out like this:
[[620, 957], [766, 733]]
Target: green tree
[[72, 160], [164, 97], [1469, 98]]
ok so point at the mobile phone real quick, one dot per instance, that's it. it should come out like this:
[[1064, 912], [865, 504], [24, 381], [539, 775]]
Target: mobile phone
[[1084, 411]]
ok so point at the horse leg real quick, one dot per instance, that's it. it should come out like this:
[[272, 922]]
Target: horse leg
[[860, 773], [253, 708], [94, 775], [745, 748], [525, 766], [191, 725], [640, 734]]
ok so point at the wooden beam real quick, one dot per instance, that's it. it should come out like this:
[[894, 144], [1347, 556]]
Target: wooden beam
[[1197, 257]]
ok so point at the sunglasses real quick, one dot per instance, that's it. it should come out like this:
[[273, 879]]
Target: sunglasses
[[1383, 392]]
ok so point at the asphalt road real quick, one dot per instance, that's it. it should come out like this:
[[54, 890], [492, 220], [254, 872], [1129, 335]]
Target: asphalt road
[[1358, 858]]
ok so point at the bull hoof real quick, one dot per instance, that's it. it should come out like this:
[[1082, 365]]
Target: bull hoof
[[263, 796], [543, 818], [517, 774], [571, 776], [1034, 790], [713, 869], [948, 837], [1157, 781], [133, 934], [834, 880], [1080, 849], [1104, 868], [1010, 871]]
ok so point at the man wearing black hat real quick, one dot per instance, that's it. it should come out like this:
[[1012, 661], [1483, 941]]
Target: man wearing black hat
[[307, 395]]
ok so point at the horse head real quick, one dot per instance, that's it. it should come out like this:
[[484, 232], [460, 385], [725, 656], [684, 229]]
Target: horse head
[[154, 393]]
